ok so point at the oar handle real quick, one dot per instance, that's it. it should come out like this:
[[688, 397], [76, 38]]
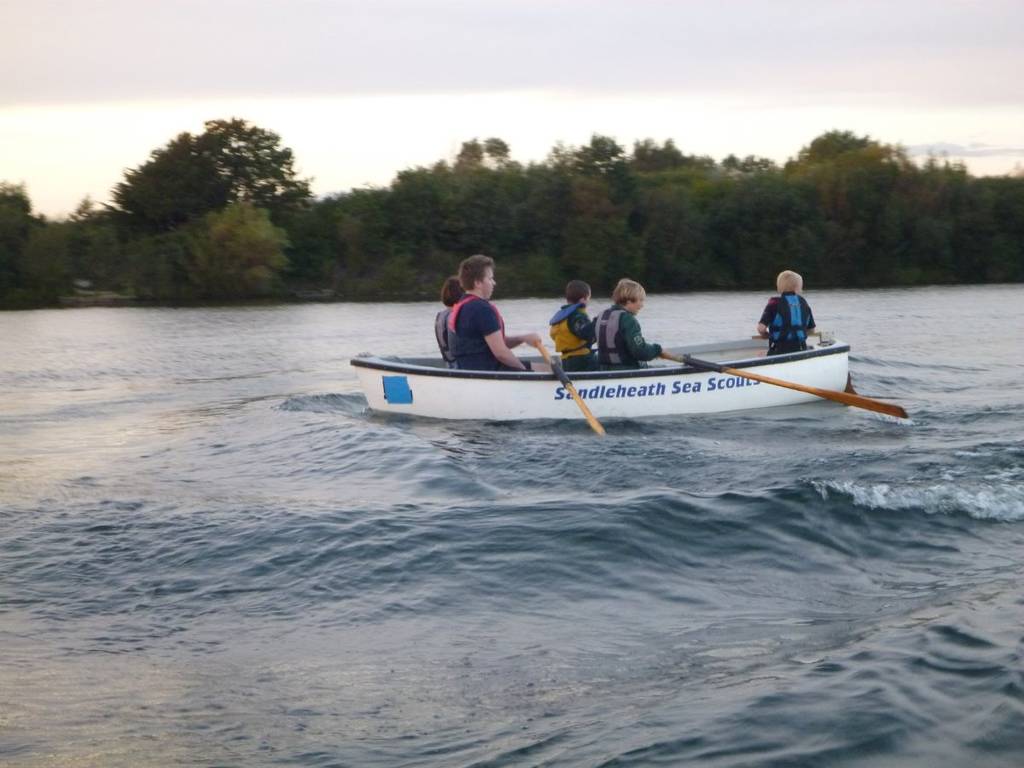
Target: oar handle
[[556, 367], [685, 360], [765, 337]]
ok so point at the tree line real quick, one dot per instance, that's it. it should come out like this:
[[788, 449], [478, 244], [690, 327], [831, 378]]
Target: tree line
[[223, 216]]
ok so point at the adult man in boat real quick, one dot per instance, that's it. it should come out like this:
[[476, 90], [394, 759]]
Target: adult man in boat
[[477, 332]]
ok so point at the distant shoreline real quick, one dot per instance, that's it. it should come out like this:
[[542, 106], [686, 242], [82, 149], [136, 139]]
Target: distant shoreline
[[847, 211]]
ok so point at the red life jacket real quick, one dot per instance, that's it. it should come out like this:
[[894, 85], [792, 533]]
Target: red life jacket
[[454, 316]]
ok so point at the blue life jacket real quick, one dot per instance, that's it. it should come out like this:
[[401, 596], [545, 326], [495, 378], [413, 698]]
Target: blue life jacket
[[788, 329], [564, 312]]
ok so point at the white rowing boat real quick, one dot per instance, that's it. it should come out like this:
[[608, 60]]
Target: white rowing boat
[[425, 387]]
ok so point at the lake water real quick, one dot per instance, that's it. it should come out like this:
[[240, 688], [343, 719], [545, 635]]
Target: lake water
[[211, 554]]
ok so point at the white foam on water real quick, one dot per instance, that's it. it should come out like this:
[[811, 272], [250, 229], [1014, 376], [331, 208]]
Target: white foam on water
[[996, 501]]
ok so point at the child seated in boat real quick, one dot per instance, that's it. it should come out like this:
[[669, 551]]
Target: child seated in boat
[[451, 292], [573, 331], [787, 318], [476, 330], [620, 342]]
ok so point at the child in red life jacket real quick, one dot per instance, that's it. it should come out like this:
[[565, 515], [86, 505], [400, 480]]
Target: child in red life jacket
[[573, 331], [787, 318]]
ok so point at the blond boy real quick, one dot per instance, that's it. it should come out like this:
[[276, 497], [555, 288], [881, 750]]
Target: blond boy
[[620, 342], [787, 318]]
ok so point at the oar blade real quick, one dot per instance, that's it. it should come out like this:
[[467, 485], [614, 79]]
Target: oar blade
[[847, 398], [876, 405], [591, 419]]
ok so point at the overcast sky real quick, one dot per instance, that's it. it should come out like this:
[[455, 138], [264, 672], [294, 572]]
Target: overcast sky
[[362, 90]]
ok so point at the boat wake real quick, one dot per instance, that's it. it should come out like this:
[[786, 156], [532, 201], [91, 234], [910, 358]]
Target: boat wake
[[993, 498], [349, 404]]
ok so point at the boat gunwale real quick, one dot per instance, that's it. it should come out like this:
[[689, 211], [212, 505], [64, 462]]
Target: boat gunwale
[[381, 364]]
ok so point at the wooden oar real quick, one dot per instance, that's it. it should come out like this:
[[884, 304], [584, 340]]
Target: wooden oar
[[857, 401], [556, 368]]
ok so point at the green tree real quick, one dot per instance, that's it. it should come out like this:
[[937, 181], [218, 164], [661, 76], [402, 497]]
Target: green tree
[[831, 145], [749, 164], [95, 249], [858, 183], [471, 155], [1006, 261], [536, 274], [239, 253], [675, 242], [177, 185], [16, 223], [598, 245], [313, 251], [231, 161], [418, 209], [45, 263], [362, 235], [254, 165], [648, 156], [541, 218], [497, 151], [156, 266], [605, 158], [847, 210]]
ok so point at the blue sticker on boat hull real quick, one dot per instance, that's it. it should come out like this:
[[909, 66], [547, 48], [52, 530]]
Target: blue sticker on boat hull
[[396, 390]]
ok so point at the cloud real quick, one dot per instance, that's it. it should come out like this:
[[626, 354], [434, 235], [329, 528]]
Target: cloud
[[942, 51], [941, 148]]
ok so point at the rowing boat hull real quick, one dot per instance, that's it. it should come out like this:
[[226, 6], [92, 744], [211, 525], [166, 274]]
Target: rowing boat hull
[[421, 388]]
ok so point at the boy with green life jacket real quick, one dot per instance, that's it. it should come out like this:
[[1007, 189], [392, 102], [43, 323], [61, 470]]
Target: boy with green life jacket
[[620, 342], [573, 331]]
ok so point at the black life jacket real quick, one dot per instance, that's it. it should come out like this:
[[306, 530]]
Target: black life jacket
[[788, 329], [611, 346], [443, 337]]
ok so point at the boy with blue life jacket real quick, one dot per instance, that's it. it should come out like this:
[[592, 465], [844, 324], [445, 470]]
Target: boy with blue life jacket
[[573, 331], [620, 342], [787, 318]]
